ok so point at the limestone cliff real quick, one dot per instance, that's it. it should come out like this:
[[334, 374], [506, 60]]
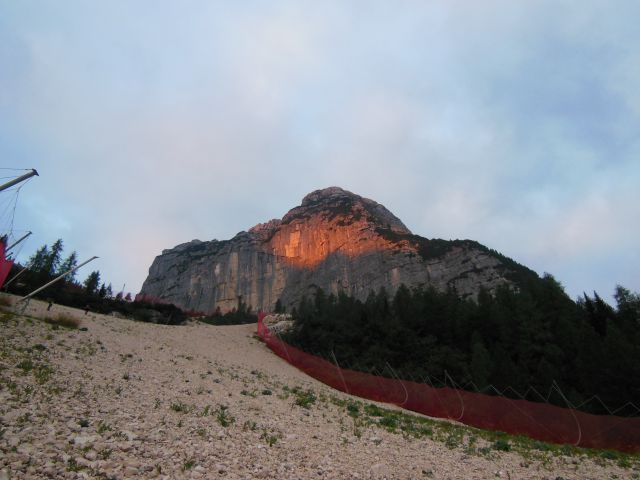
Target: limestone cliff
[[334, 240]]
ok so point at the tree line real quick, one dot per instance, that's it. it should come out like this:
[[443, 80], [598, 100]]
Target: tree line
[[49, 261], [529, 340]]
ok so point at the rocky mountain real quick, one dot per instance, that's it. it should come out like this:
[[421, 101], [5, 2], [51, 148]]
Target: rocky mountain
[[335, 240]]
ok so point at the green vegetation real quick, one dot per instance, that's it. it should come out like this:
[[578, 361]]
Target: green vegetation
[[270, 438], [62, 321], [473, 441], [181, 407], [304, 399], [237, 316], [92, 294], [103, 427], [535, 336], [223, 417]]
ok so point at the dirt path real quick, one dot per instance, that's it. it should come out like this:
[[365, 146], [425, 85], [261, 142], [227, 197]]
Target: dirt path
[[125, 399]]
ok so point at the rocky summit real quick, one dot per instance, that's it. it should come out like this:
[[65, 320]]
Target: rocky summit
[[335, 240]]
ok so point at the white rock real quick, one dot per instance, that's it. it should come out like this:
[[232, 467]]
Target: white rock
[[84, 440]]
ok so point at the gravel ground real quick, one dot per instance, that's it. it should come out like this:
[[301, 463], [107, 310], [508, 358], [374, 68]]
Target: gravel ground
[[120, 399]]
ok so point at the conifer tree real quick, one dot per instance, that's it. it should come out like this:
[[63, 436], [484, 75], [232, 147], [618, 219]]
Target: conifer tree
[[52, 260], [91, 283], [38, 259], [69, 263]]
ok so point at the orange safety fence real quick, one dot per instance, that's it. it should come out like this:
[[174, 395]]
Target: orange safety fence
[[540, 421]]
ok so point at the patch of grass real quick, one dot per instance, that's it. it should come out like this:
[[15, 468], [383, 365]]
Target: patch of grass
[[103, 427], [502, 445], [270, 438], [23, 419], [305, 399], [43, 373], [25, 365], [73, 466], [389, 422], [454, 439], [453, 436], [62, 320], [83, 422], [223, 417], [374, 410], [266, 391], [188, 465], [249, 425], [180, 407], [358, 426], [544, 447], [105, 453]]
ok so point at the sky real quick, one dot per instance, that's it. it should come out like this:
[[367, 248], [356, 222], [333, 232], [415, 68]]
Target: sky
[[151, 123]]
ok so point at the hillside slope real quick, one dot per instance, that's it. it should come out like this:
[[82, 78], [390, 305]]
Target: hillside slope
[[134, 400]]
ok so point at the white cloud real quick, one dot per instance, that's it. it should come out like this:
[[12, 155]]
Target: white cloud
[[512, 123]]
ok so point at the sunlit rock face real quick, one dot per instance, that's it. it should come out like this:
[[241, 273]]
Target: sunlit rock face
[[334, 240]]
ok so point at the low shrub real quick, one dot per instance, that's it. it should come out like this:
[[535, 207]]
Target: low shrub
[[63, 321]]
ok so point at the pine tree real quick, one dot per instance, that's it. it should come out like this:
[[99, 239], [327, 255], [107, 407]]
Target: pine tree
[[52, 261], [481, 364], [91, 283], [69, 263], [37, 260]]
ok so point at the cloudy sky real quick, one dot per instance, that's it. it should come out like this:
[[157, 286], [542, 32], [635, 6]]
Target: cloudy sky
[[151, 123]]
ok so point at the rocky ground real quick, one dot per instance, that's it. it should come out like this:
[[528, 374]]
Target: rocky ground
[[121, 399]]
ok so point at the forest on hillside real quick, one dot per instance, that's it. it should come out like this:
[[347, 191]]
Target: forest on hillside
[[520, 343], [50, 261]]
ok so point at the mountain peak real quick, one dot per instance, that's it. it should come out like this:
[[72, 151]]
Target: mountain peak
[[327, 194], [336, 202]]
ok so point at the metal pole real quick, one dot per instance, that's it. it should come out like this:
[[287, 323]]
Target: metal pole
[[21, 178], [16, 243], [55, 280]]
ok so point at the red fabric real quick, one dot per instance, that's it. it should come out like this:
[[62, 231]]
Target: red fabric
[[5, 265], [540, 421]]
